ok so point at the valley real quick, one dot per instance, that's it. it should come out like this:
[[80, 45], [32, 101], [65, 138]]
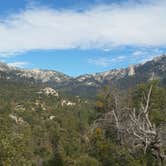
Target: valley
[[48, 118]]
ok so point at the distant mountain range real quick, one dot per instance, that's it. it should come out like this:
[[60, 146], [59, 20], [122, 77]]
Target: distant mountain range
[[88, 84]]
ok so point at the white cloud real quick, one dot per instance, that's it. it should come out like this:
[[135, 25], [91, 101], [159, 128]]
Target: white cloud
[[18, 64], [99, 27], [147, 52], [106, 61], [101, 61], [138, 53]]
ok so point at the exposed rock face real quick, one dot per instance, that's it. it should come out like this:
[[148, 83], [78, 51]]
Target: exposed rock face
[[52, 117], [131, 71], [49, 91], [37, 75], [44, 76], [4, 67], [18, 120], [67, 103]]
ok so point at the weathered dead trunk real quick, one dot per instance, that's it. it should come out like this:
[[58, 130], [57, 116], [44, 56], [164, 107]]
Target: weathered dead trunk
[[136, 127]]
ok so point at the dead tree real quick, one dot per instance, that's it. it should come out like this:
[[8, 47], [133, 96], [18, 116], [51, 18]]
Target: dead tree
[[135, 126], [144, 131]]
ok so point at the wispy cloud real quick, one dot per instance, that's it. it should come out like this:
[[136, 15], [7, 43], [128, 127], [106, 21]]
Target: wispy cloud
[[101, 27], [18, 64], [135, 56], [138, 53], [145, 54], [106, 61]]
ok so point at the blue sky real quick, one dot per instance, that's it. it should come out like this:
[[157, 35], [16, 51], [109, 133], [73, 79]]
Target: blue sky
[[81, 36]]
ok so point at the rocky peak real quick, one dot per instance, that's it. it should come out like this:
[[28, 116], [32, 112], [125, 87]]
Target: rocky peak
[[49, 91], [131, 70], [44, 75], [4, 67]]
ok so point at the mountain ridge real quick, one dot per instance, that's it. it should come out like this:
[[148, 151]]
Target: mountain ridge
[[123, 78], [6, 67]]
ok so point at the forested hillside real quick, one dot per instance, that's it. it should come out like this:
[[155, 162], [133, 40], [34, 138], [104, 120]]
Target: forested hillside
[[119, 117], [40, 126]]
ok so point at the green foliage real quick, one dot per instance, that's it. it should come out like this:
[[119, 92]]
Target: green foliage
[[105, 101], [157, 101], [109, 153], [37, 138], [86, 161], [48, 133], [15, 144]]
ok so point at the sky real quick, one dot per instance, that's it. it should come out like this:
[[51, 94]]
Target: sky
[[81, 36]]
